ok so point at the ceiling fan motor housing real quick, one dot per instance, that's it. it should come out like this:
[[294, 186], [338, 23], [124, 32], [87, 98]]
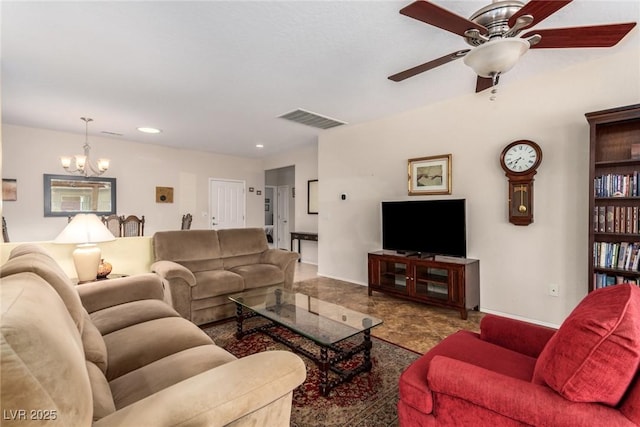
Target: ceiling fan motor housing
[[495, 18]]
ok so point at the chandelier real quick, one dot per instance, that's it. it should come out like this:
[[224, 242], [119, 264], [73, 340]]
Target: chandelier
[[83, 164]]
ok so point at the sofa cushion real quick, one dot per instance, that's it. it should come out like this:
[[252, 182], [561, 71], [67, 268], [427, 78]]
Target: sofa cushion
[[100, 392], [124, 315], [242, 241], [40, 344], [216, 282], [236, 261], [197, 250], [594, 355], [465, 346], [259, 275], [95, 350], [138, 345], [158, 375], [40, 263]]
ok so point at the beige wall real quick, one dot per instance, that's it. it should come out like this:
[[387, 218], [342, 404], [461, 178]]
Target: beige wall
[[127, 255], [517, 264], [305, 160], [29, 153]]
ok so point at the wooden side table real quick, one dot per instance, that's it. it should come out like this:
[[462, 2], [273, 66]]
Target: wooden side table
[[301, 235]]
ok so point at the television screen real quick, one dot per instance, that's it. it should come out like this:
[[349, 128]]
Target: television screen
[[436, 227]]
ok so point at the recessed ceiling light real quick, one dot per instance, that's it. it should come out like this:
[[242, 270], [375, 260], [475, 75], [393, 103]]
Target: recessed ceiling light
[[149, 130], [259, 146]]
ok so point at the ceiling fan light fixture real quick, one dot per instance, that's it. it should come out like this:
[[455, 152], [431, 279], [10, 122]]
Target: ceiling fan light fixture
[[496, 56]]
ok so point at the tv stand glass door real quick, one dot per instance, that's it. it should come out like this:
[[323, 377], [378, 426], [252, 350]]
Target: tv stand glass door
[[394, 275]]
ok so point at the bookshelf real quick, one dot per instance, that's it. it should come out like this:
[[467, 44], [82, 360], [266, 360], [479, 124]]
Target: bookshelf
[[614, 196]]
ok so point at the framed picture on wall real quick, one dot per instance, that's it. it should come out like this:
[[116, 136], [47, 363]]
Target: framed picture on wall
[[430, 175], [9, 190], [312, 197]]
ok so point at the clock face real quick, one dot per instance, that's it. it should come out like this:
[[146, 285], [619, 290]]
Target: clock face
[[520, 158]]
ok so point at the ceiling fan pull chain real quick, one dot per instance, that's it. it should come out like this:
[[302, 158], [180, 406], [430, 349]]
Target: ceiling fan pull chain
[[495, 78]]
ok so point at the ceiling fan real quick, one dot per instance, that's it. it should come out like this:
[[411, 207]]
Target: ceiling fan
[[493, 32]]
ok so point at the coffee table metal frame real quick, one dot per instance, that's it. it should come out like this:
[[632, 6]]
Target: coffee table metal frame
[[331, 353]]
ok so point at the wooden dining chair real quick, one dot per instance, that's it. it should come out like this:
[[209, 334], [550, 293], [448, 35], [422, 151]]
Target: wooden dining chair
[[132, 226], [5, 232], [186, 221], [114, 224]]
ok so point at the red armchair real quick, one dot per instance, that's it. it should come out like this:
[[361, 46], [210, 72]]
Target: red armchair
[[515, 373]]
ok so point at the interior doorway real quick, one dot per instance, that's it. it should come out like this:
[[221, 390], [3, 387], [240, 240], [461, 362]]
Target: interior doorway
[[280, 208], [270, 207]]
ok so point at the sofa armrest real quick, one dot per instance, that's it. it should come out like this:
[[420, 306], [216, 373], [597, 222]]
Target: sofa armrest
[[221, 395], [172, 270], [103, 294], [279, 257], [516, 335], [523, 401]]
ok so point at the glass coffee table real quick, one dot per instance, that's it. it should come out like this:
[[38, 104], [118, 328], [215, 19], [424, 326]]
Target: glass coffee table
[[325, 324]]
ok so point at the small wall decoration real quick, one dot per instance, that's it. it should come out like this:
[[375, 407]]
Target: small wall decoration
[[312, 197], [430, 175], [164, 194], [9, 190]]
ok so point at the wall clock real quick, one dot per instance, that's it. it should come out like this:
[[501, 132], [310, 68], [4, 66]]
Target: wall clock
[[520, 161]]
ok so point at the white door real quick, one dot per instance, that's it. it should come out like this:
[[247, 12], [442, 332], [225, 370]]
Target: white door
[[284, 241], [270, 222], [226, 204]]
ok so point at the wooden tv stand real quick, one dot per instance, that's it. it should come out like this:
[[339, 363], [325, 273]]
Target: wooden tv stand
[[438, 280]]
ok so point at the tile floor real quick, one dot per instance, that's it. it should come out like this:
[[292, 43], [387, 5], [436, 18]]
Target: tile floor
[[412, 325]]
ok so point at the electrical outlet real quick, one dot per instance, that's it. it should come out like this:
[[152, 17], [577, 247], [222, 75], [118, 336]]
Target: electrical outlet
[[554, 290]]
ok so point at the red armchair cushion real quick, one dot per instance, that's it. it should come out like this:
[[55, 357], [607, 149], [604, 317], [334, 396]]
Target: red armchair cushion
[[465, 346], [594, 355]]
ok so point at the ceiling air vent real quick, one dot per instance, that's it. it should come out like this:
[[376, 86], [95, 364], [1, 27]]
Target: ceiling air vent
[[308, 118]]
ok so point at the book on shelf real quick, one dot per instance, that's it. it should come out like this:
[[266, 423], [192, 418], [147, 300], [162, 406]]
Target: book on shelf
[[616, 219], [602, 280], [621, 256], [616, 185]]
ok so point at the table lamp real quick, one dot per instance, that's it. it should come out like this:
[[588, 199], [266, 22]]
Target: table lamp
[[85, 230]]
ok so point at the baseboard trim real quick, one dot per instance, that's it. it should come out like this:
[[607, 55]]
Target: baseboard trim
[[342, 279], [522, 318]]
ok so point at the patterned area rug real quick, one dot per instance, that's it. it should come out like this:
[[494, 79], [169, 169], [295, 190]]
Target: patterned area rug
[[369, 399]]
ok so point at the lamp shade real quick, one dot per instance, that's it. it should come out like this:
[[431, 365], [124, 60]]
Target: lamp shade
[[496, 56], [85, 228]]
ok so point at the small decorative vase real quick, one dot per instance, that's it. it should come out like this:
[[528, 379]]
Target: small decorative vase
[[103, 269]]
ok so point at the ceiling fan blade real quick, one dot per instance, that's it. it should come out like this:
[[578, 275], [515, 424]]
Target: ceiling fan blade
[[437, 16], [592, 36], [539, 9], [483, 83], [428, 65]]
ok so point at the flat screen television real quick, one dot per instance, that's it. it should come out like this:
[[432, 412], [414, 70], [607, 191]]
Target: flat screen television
[[426, 227]]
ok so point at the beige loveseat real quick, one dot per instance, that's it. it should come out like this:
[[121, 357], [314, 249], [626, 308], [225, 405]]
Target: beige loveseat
[[113, 353], [203, 267]]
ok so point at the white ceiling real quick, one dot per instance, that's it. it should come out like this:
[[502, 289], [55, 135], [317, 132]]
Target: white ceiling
[[214, 75]]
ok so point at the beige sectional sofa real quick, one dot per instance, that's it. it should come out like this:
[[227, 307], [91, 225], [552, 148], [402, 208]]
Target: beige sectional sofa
[[203, 267], [113, 353]]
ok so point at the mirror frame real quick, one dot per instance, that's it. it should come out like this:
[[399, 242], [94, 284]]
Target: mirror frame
[[47, 178], [312, 197]]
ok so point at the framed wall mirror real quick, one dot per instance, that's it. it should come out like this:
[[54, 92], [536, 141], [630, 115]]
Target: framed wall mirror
[[66, 195], [312, 197]]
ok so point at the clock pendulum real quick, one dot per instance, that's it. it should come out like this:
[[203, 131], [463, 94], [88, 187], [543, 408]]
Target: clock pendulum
[[522, 208]]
